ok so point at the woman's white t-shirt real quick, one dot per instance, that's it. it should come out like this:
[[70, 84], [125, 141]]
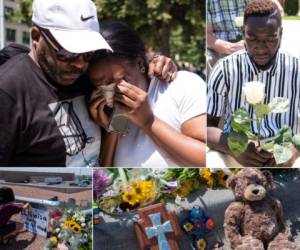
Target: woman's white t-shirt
[[174, 103]]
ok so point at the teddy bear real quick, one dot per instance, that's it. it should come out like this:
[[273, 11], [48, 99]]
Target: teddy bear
[[254, 221]]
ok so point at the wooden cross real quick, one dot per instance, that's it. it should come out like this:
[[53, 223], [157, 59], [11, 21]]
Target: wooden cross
[[157, 229]]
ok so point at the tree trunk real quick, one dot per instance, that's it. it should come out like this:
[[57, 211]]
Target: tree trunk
[[164, 37]]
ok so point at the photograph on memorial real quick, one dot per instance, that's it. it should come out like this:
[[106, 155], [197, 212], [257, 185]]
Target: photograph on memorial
[[196, 209], [45, 208]]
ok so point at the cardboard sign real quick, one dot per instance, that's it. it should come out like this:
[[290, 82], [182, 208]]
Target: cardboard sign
[[36, 221]]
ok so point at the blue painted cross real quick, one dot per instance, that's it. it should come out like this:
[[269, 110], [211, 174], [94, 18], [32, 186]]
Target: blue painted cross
[[158, 230]]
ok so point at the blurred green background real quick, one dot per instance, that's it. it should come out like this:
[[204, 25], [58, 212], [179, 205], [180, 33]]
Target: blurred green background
[[174, 28]]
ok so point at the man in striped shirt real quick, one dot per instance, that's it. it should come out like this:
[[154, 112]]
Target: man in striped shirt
[[260, 61]]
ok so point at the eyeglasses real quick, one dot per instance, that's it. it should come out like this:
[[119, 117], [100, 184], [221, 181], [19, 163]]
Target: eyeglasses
[[64, 55]]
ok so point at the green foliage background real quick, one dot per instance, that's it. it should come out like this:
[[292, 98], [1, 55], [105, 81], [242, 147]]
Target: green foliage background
[[174, 28], [291, 7]]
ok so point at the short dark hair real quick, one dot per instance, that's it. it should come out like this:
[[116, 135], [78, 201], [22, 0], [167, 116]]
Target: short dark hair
[[6, 195], [262, 8], [124, 41], [12, 50]]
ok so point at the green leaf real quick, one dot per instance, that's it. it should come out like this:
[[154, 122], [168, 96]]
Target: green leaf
[[279, 105], [282, 154], [284, 136], [261, 110], [296, 141], [237, 142], [240, 121]]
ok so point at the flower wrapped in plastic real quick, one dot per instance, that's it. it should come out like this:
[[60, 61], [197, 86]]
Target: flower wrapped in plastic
[[129, 189]]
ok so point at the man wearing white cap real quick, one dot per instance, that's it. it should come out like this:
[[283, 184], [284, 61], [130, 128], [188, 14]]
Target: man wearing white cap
[[44, 120]]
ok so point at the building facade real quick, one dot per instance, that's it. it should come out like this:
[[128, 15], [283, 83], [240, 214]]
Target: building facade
[[12, 32]]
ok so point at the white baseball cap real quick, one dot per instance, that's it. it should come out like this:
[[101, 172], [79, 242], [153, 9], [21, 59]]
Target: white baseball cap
[[73, 23]]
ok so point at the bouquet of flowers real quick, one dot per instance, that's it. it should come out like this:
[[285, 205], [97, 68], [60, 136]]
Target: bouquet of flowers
[[215, 177], [239, 138], [133, 188], [128, 190], [70, 230]]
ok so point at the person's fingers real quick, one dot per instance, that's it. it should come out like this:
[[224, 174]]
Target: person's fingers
[[270, 163], [265, 154], [167, 70], [96, 94], [94, 105], [252, 154], [252, 163], [129, 90], [174, 75], [159, 62], [151, 70], [125, 100]]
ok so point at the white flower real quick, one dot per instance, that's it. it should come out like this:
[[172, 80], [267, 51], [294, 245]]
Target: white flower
[[254, 92], [83, 224], [239, 21], [57, 230], [82, 219]]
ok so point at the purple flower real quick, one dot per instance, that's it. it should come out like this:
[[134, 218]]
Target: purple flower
[[100, 181]]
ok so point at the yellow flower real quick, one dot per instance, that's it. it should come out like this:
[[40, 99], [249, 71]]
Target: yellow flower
[[201, 244], [73, 225], [146, 190], [222, 183], [186, 189], [188, 227], [141, 191], [222, 178], [130, 196], [206, 174], [210, 182], [53, 241]]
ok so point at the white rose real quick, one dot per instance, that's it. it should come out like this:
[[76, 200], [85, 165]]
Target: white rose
[[239, 21], [254, 92]]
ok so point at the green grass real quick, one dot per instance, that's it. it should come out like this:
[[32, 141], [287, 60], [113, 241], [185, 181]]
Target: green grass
[[291, 18]]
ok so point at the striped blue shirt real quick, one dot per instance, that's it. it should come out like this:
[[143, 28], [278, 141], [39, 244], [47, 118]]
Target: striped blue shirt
[[282, 79]]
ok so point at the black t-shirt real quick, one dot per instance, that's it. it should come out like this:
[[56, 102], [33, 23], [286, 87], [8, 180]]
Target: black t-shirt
[[43, 123]]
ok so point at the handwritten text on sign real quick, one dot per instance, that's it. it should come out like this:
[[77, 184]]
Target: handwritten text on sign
[[36, 221]]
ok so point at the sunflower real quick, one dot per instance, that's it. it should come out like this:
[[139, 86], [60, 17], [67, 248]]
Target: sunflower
[[186, 188], [73, 225], [207, 175], [146, 190], [222, 177], [130, 196]]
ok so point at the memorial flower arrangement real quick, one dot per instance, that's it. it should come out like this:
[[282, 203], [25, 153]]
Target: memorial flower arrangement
[[214, 177], [130, 189], [241, 134], [70, 230]]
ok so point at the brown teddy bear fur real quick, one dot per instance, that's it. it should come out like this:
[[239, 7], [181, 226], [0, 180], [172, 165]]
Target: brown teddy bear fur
[[255, 220]]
